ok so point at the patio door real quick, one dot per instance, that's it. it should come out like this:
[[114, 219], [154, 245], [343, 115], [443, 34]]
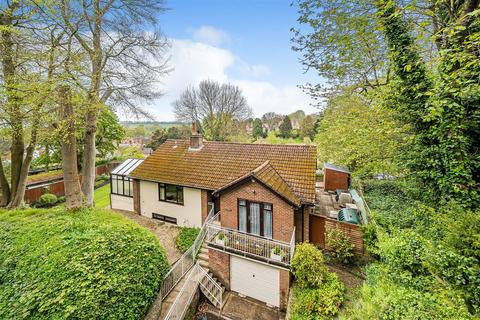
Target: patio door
[[255, 218]]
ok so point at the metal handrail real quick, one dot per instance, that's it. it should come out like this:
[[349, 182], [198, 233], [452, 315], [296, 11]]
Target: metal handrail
[[248, 244], [185, 296], [186, 261], [292, 245], [218, 297]]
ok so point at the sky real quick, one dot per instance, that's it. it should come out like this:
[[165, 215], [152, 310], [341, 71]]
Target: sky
[[246, 43]]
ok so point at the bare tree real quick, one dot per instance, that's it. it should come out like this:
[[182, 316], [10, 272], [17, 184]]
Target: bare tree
[[215, 105], [125, 53]]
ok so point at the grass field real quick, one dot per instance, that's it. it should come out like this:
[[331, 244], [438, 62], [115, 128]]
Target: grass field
[[102, 197]]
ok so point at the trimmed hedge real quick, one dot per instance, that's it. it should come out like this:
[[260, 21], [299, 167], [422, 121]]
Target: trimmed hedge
[[185, 238], [85, 265]]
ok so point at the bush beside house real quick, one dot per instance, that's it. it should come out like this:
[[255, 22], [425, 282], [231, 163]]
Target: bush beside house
[[341, 246], [185, 238], [317, 293], [85, 265]]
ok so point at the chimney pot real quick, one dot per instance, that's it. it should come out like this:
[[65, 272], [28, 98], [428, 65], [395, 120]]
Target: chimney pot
[[196, 139]]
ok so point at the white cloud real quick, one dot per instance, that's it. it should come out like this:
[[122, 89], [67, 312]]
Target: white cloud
[[210, 35], [256, 70], [194, 62], [264, 97]]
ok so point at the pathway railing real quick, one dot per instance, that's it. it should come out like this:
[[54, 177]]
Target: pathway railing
[[186, 261], [187, 292]]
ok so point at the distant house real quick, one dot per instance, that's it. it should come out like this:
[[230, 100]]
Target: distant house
[[263, 195]]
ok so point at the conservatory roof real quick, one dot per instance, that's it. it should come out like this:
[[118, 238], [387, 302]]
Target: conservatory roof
[[127, 166]]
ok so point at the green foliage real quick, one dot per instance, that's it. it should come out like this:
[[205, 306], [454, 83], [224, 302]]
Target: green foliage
[[341, 246], [84, 265], [442, 110], [285, 127], [109, 133], [161, 135], [343, 42], [257, 131], [186, 238], [309, 127], [131, 152], [362, 136], [428, 258], [318, 303], [308, 266], [381, 299], [47, 199], [317, 293]]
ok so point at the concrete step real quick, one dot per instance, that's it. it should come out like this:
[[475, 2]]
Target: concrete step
[[204, 264], [203, 256], [204, 250]]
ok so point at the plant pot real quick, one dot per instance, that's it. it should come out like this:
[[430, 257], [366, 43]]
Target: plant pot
[[221, 242], [276, 257]]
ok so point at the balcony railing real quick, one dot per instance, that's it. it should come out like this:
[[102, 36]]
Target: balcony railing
[[267, 250]]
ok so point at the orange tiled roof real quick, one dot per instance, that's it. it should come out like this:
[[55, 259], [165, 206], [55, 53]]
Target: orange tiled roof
[[267, 174], [290, 170]]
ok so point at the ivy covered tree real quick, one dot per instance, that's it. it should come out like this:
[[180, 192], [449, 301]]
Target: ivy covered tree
[[442, 110]]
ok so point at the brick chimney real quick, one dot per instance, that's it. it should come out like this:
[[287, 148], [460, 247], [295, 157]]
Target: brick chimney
[[196, 139]]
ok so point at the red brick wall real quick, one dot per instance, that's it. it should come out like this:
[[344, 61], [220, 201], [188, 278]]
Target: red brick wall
[[282, 211], [204, 205], [219, 265], [284, 288]]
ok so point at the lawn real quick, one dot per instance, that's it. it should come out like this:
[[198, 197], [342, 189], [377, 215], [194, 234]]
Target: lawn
[[102, 197], [92, 264]]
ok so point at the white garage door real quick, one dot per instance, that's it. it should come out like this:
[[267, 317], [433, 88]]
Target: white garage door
[[255, 280]]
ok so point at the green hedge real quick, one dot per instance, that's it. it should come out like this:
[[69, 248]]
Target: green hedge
[[84, 265], [185, 238]]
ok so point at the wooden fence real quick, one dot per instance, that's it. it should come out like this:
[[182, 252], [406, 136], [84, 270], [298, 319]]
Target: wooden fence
[[57, 188]]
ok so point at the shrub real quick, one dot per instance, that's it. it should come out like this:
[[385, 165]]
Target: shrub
[[340, 245], [99, 183], [318, 303], [92, 264], [47, 199], [308, 265], [102, 177], [186, 237]]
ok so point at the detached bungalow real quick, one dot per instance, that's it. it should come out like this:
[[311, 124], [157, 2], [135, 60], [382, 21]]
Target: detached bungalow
[[263, 193]]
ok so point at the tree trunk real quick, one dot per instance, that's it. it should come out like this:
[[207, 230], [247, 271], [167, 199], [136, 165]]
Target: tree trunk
[[89, 155], [89, 150], [4, 186], [71, 181], [25, 166], [12, 104]]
